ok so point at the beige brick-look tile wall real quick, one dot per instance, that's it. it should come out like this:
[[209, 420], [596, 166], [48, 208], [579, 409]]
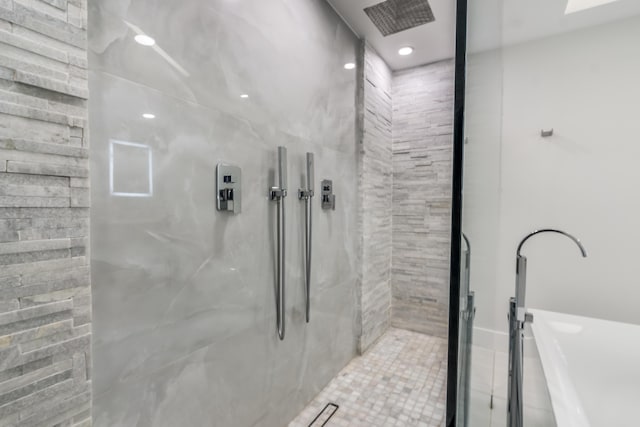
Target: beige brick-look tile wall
[[375, 162], [45, 294], [422, 172]]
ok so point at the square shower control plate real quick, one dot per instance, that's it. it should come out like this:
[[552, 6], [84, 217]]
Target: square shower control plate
[[228, 190], [328, 198]]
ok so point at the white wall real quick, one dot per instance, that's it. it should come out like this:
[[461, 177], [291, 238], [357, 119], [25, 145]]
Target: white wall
[[583, 180], [481, 210]]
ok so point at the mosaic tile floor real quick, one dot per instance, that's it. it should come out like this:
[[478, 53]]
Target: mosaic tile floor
[[400, 381]]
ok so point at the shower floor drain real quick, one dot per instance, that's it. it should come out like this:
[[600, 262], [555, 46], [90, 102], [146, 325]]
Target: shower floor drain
[[325, 415]]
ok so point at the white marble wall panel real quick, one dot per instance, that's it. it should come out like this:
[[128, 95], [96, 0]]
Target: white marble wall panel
[[184, 302]]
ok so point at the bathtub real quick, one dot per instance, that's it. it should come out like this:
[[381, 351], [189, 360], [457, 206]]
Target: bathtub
[[592, 369]]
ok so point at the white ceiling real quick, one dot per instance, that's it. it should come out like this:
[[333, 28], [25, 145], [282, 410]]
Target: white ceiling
[[491, 23], [494, 23], [432, 42]]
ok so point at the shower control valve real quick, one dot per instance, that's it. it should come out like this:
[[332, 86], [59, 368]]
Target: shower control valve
[[328, 198], [228, 188]]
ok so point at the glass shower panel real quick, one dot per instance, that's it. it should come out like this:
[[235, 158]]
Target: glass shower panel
[[184, 300], [480, 215], [549, 143]]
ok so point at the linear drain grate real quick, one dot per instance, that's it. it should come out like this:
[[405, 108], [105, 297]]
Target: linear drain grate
[[393, 16], [325, 415]]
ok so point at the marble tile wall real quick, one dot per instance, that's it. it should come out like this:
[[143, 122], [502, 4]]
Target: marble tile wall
[[422, 171], [45, 307], [184, 302], [375, 169]]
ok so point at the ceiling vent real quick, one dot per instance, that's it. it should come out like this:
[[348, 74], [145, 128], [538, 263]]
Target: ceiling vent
[[393, 16]]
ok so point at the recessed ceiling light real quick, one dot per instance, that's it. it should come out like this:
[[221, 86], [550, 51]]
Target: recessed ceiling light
[[404, 51], [149, 116], [349, 66], [244, 96], [144, 40]]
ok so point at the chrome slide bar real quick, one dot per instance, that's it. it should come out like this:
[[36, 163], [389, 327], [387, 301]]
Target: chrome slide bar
[[518, 317], [278, 194], [306, 195], [467, 314]]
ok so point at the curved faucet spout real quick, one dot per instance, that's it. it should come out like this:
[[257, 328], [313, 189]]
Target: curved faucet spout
[[518, 316], [552, 230]]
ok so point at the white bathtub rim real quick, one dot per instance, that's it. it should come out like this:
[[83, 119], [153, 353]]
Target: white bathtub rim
[[567, 407]]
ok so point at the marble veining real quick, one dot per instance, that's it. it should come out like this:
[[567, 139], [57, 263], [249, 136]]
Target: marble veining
[[183, 296]]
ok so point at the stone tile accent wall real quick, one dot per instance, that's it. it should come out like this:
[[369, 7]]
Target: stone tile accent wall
[[422, 162], [375, 185], [45, 294]]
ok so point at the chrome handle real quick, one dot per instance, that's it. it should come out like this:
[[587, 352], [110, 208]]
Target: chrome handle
[[310, 172], [280, 306], [278, 194], [306, 195], [307, 242], [516, 361], [282, 167]]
